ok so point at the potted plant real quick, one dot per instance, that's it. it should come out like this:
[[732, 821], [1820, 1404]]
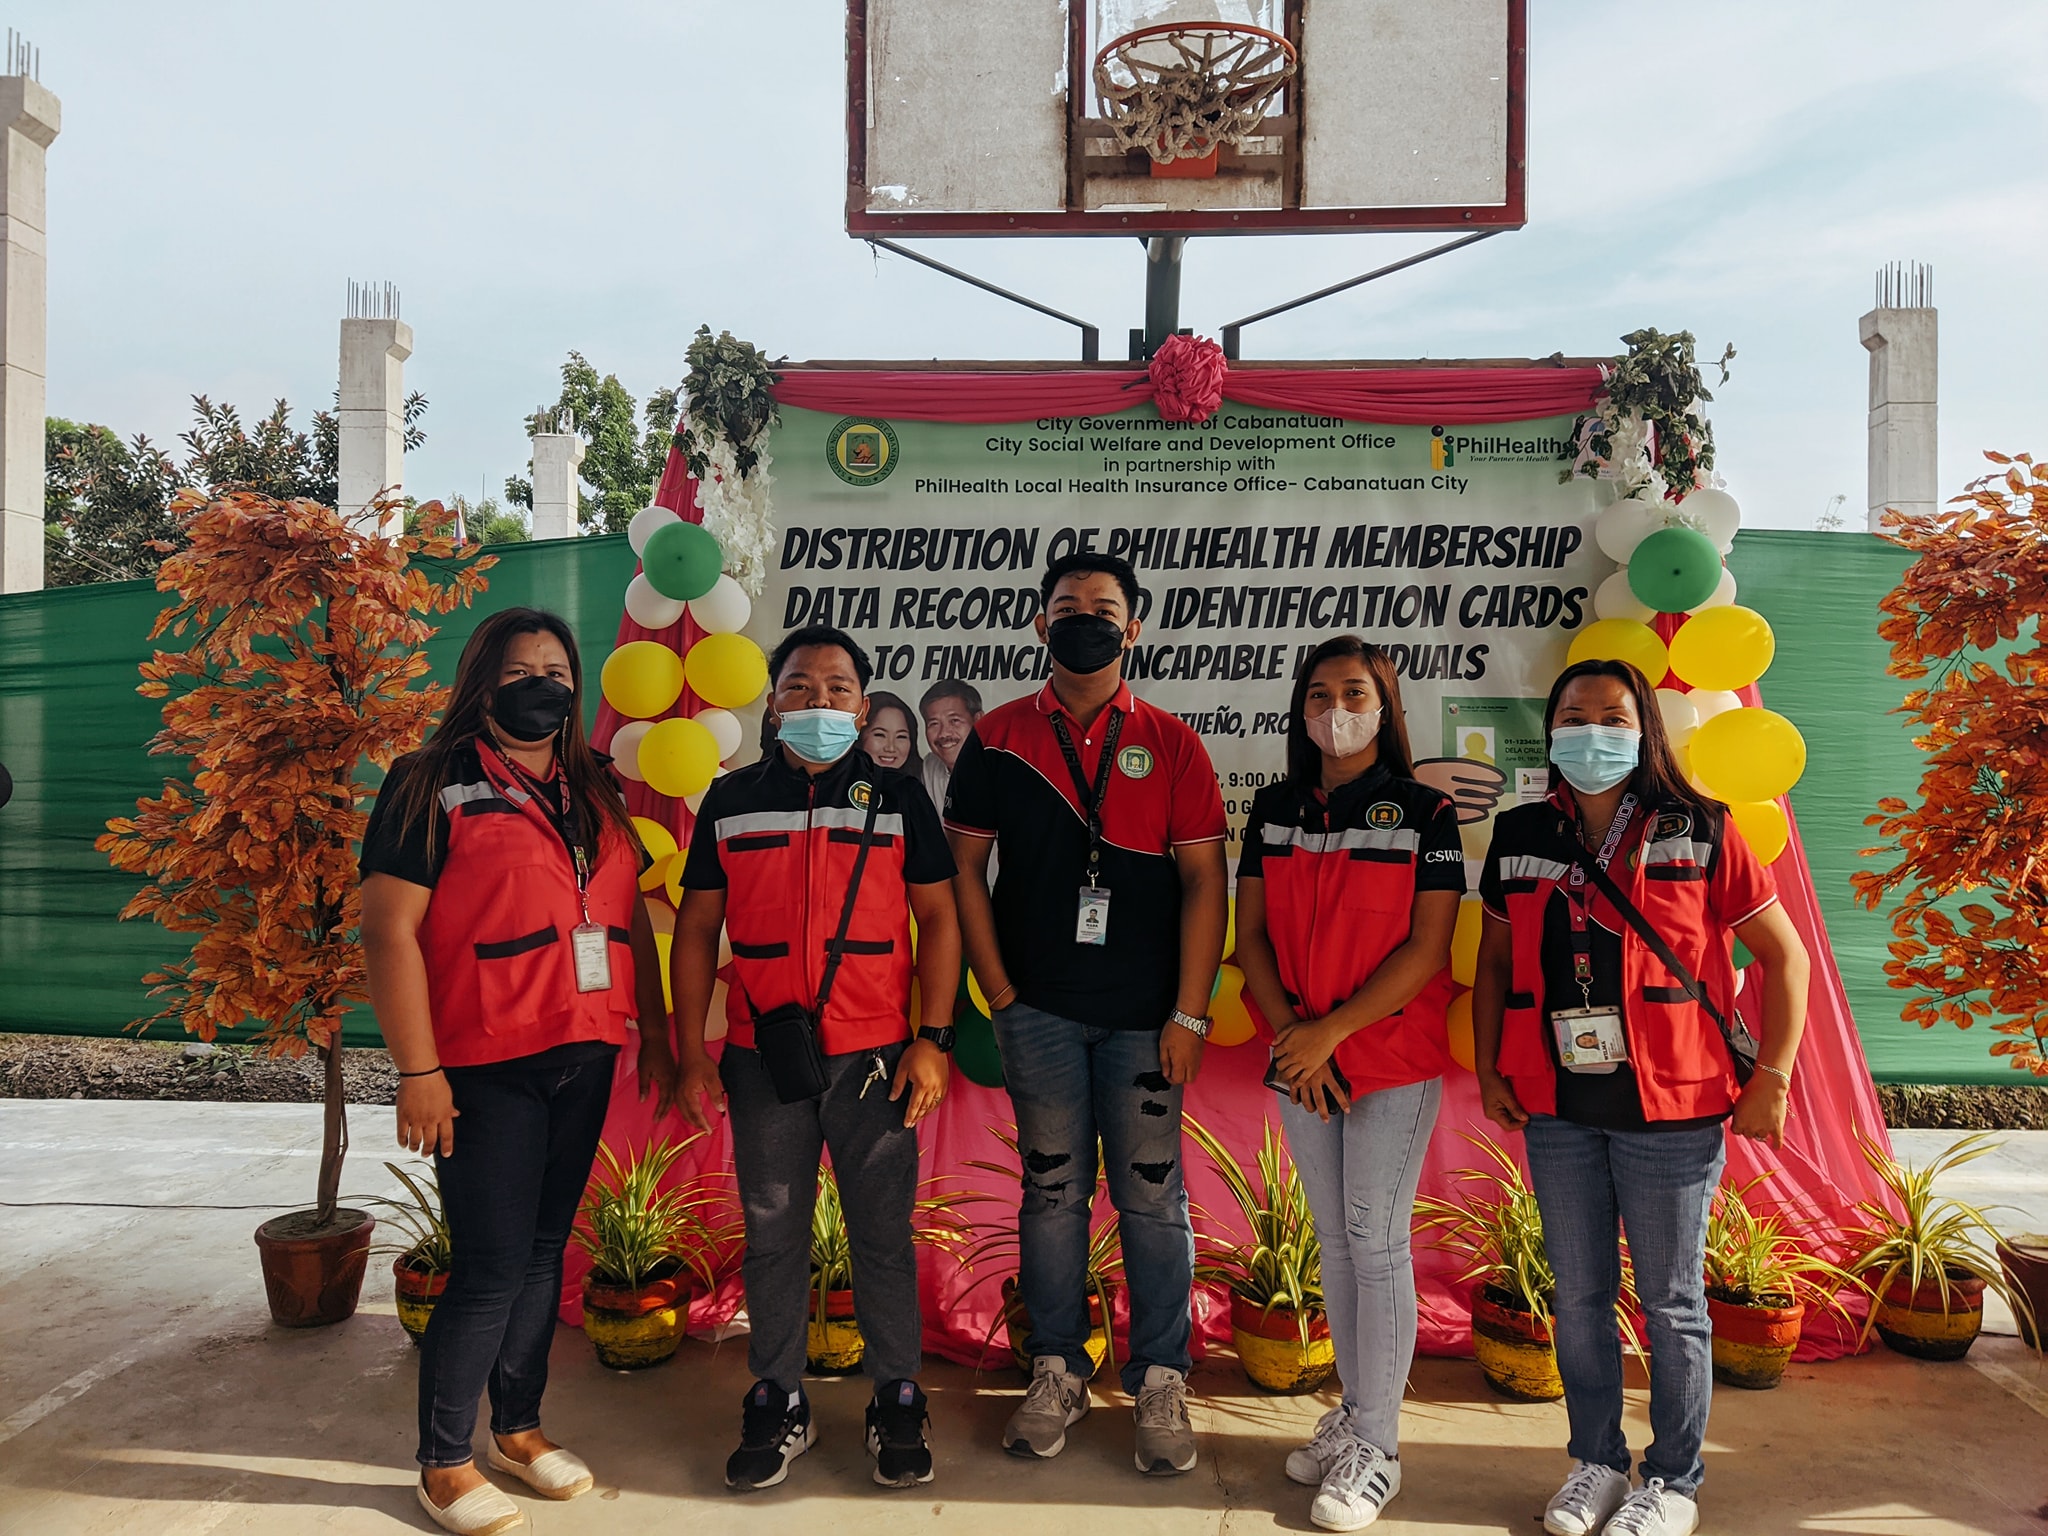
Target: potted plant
[[1761, 1283], [1928, 1259], [1274, 1274], [422, 1258], [645, 1245], [2024, 1257], [833, 1344], [306, 659]]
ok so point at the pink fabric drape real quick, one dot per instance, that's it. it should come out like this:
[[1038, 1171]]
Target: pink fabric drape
[[1815, 1178]]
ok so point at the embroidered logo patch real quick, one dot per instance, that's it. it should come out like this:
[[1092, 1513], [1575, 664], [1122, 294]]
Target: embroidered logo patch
[[1135, 762], [859, 795], [1671, 824], [1382, 815]]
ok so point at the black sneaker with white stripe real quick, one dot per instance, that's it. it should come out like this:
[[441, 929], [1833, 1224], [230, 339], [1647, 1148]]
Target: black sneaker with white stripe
[[896, 1423], [774, 1431]]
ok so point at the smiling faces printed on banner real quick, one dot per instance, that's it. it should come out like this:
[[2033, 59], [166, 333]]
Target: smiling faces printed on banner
[[891, 734]]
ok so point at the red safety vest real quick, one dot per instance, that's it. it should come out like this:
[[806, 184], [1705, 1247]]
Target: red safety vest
[[1675, 870], [501, 979]]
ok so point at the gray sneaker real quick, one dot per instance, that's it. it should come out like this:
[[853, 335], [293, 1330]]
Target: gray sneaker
[[1057, 1399], [1166, 1441]]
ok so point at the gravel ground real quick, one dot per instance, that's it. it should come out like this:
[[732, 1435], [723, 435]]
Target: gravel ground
[[80, 1067], [2018, 1107]]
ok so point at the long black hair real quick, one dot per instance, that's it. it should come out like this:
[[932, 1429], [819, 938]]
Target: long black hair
[[1657, 775], [1304, 757], [880, 700]]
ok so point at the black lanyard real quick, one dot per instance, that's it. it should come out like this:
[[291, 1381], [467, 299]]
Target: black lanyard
[[1578, 901], [570, 824], [1091, 797]]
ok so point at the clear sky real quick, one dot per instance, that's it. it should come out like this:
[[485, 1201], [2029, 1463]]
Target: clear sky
[[605, 176]]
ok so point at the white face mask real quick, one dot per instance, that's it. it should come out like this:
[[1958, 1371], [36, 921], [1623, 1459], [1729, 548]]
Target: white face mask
[[1343, 732]]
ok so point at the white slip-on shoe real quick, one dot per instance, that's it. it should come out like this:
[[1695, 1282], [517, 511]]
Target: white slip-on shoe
[[1588, 1497], [1309, 1464], [1654, 1510], [556, 1474], [483, 1511]]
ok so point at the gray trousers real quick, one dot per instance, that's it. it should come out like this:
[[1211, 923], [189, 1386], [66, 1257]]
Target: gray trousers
[[776, 1151]]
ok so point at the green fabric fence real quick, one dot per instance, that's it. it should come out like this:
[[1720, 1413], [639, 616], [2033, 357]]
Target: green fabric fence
[[73, 734]]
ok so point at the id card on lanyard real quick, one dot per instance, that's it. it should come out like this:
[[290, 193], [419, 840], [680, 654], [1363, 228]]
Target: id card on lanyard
[[1590, 1039], [589, 942], [1091, 916]]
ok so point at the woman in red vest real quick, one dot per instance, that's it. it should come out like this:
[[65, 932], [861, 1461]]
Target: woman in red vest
[[507, 950], [1347, 893], [1625, 1070]]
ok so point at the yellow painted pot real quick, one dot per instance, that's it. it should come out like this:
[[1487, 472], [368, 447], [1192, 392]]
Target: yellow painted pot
[[415, 1291], [1916, 1323], [1514, 1350], [634, 1328], [833, 1346], [1753, 1345], [1017, 1327], [1269, 1348]]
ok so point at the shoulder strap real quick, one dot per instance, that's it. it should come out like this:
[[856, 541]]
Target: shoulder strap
[[837, 950], [1617, 899]]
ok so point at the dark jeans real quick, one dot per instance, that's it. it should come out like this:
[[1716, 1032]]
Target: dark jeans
[[777, 1149], [524, 1140]]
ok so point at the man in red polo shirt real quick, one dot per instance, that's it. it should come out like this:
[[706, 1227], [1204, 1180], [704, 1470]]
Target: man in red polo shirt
[[1097, 954]]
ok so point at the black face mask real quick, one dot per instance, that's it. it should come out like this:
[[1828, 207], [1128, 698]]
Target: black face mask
[[1082, 642], [532, 708]]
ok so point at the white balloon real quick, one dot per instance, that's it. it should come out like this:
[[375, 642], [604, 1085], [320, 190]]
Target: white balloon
[[695, 802], [625, 749], [1709, 702], [724, 949], [1681, 715], [1724, 593], [1614, 600], [1626, 524], [725, 729], [648, 608], [645, 521], [724, 610], [1714, 513]]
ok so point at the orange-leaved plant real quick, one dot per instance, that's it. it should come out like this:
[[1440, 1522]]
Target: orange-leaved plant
[[1965, 623], [306, 660]]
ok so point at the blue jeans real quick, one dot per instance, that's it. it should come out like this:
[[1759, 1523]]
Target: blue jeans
[[1360, 1172], [525, 1136], [1660, 1185], [1071, 1083]]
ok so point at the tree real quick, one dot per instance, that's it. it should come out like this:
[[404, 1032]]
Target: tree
[[623, 459], [306, 659], [483, 521], [1966, 622]]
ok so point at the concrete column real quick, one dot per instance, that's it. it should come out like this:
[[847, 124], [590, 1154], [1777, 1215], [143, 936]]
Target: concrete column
[[374, 348], [31, 120], [555, 457], [1900, 335]]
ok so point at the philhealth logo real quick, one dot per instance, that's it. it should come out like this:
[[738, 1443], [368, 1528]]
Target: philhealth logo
[[1441, 454]]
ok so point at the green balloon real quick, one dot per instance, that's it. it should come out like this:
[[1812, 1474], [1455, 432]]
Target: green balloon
[[975, 1053], [681, 561], [1674, 569], [1743, 958]]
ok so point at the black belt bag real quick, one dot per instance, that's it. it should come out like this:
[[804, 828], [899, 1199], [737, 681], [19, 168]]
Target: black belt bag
[[786, 1038]]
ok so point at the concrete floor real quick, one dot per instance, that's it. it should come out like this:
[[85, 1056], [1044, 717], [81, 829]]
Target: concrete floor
[[142, 1389]]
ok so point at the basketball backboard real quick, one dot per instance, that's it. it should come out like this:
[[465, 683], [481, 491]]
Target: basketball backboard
[[984, 117]]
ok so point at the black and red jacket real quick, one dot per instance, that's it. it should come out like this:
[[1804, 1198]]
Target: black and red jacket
[[781, 844], [1341, 871]]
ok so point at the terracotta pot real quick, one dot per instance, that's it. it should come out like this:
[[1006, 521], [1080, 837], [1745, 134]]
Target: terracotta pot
[[2025, 1259], [313, 1274], [416, 1291], [1270, 1349], [1514, 1349], [833, 1347], [1017, 1326], [633, 1327], [1914, 1322], [1753, 1344]]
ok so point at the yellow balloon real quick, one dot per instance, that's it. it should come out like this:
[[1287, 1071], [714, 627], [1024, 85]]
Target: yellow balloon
[[1723, 648], [1748, 754], [916, 1007], [1233, 1022], [1458, 1025], [642, 678], [1465, 942], [1230, 929], [678, 758], [726, 671], [974, 992], [672, 877], [1622, 640], [664, 944], [1763, 826], [654, 874], [913, 939], [654, 837]]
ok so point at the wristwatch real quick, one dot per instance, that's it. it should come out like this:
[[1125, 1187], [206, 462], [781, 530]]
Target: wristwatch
[[942, 1038], [1194, 1026]]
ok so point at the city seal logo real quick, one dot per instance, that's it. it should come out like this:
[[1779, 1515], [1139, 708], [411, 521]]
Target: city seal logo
[[1383, 815], [862, 450], [1136, 762], [859, 795]]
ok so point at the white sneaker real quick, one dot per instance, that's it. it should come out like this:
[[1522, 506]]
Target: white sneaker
[[1654, 1510], [1310, 1464], [1357, 1489], [1588, 1497]]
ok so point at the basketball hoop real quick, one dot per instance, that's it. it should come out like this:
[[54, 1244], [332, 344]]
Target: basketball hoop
[[1179, 92]]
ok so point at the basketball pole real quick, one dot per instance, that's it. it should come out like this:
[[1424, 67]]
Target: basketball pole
[[1162, 295]]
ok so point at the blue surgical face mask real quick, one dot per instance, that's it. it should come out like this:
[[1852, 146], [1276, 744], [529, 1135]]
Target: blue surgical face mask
[[1595, 757], [819, 735]]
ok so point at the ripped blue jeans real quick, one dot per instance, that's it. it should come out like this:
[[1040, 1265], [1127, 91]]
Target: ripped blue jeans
[[1071, 1083], [1360, 1172]]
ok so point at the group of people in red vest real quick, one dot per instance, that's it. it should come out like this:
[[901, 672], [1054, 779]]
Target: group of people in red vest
[[509, 953]]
